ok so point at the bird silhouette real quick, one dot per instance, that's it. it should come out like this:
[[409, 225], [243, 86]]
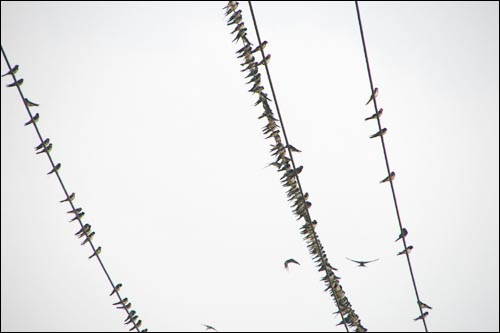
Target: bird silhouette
[[403, 233], [208, 327], [75, 211], [407, 250], [291, 261], [30, 103], [422, 316], [391, 177], [361, 263], [33, 120], [16, 83], [117, 288], [123, 301], [70, 198], [57, 167], [43, 144], [46, 149], [374, 95], [89, 238], [83, 230], [379, 133], [12, 71], [374, 116], [97, 251], [423, 305]]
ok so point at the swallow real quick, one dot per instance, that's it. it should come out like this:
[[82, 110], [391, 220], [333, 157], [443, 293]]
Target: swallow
[[265, 60], [374, 116], [291, 261], [235, 18], [361, 263], [144, 330], [75, 211], [422, 316], [240, 34], [89, 237], [123, 301], [131, 313], [97, 251], [252, 72], [127, 306], [16, 83], [139, 323], [256, 89], [33, 120], [407, 250], [131, 320], [12, 71], [208, 327], [238, 27], [30, 103], [423, 305], [260, 47], [57, 167], [70, 198], [231, 5], [235, 13], [43, 144], [292, 148], [244, 49], [78, 216], [83, 230], [403, 234], [117, 288], [379, 133], [374, 95], [248, 60], [391, 177], [46, 149], [256, 78]]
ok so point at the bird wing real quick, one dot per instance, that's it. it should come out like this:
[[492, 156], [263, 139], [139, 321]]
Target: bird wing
[[358, 262]]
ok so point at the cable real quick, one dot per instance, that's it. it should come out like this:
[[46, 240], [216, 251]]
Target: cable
[[387, 165]]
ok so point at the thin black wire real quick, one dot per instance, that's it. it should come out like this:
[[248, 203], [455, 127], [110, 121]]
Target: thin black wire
[[61, 182], [308, 219], [387, 164]]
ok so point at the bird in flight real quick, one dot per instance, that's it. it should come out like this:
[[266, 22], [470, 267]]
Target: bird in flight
[[407, 250], [70, 198], [33, 120], [422, 316], [291, 261], [30, 103], [423, 305], [374, 95], [13, 71], [16, 83], [374, 116], [379, 133], [391, 177], [97, 251], [362, 263], [117, 288], [403, 234], [57, 167], [208, 327]]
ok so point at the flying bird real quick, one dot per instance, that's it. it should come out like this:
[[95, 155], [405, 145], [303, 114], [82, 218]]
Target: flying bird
[[43, 144], [12, 71], [70, 198], [33, 120], [362, 263], [208, 327], [57, 167], [16, 83], [117, 288], [422, 316], [291, 261], [97, 251], [391, 177], [423, 305], [407, 250], [30, 103], [403, 234], [89, 238], [46, 149], [374, 116], [379, 133], [374, 95]]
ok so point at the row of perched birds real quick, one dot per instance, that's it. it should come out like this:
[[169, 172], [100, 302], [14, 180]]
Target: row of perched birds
[[46, 147], [282, 152]]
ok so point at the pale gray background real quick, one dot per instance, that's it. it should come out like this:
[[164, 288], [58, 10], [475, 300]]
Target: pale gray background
[[158, 136]]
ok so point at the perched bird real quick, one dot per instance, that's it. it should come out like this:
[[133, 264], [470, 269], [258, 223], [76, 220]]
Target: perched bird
[[391, 177], [265, 60], [78, 216], [238, 27], [117, 288], [83, 230], [379, 133], [422, 316], [291, 261], [97, 251], [407, 250], [46, 149], [43, 144], [12, 71], [30, 103], [244, 49], [70, 198], [57, 167], [208, 327], [260, 47], [75, 211], [127, 306], [240, 34], [292, 148], [374, 95], [403, 234], [374, 116], [131, 313], [89, 237], [362, 263], [33, 120], [123, 301], [139, 323], [131, 320], [16, 83], [423, 305]]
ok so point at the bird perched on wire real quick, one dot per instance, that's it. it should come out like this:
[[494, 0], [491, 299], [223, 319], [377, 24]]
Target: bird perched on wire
[[78, 216], [123, 301], [43, 144], [117, 288], [361, 263], [33, 120], [374, 116], [131, 320], [291, 261], [12, 71], [126, 306], [208, 327], [423, 305], [373, 96], [97, 251], [56, 168], [292, 148], [136, 325], [422, 316], [403, 234], [260, 47], [83, 230], [265, 60], [30, 103], [75, 211], [379, 133], [46, 149], [407, 250], [16, 83], [70, 198], [89, 238], [391, 177], [131, 313]]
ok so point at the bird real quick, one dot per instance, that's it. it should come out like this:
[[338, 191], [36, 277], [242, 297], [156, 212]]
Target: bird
[[133, 319], [403, 234], [97, 251], [57, 167], [126, 306], [43, 144], [374, 95], [33, 120], [374, 116], [131, 313], [117, 288], [78, 216], [70, 198], [16, 83], [379, 133], [12, 71], [208, 327], [238, 27], [407, 250], [391, 177], [75, 211], [291, 261], [136, 325], [84, 229], [30, 103], [46, 149], [292, 148], [361, 263], [422, 316], [123, 301], [260, 47], [89, 237], [265, 60], [423, 305]]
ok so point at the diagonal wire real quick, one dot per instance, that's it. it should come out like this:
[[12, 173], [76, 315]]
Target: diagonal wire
[[387, 165], [62, 184]]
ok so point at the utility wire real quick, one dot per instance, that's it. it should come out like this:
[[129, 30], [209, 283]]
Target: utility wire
[[62, 185], [387, 165]]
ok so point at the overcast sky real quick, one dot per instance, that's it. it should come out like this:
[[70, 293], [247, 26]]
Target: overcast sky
[[157, 134]]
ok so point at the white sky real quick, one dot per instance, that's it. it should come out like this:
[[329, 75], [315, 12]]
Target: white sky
[[158, 136]]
